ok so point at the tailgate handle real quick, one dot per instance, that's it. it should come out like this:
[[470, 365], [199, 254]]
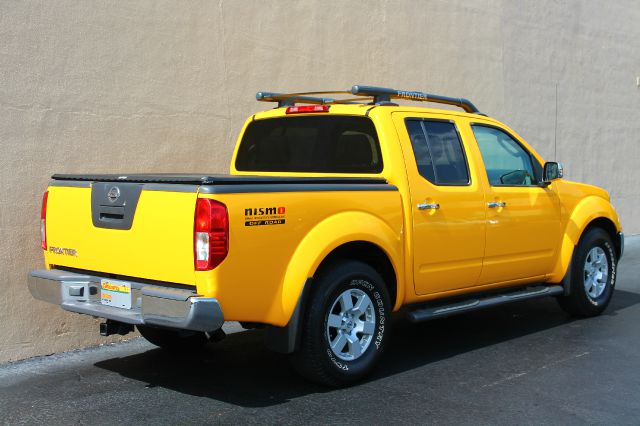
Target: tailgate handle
[[113, 204], [111, 214]]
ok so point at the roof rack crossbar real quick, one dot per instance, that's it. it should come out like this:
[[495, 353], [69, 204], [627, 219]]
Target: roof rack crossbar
[[287, 100], [382, 95]]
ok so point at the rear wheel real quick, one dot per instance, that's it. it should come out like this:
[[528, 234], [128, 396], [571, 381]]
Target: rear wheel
[[346, 327], [173, 340], [593, 275]]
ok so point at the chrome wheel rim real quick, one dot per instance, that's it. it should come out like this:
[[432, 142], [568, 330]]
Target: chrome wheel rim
[[596, 272], [351, 321]]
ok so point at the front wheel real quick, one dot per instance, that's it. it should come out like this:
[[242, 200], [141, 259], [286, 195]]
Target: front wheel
[[347, 325], [593, 275]]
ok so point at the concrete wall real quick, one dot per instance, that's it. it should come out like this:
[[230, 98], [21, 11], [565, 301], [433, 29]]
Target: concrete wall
[[152, 86]]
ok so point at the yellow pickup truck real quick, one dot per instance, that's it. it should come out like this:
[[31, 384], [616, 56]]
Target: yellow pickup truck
[[340, 208]]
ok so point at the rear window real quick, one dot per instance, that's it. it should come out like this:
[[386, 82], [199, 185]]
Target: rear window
[[322, 144]]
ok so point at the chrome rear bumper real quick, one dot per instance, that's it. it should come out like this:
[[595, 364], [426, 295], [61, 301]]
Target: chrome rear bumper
[[151, 304]]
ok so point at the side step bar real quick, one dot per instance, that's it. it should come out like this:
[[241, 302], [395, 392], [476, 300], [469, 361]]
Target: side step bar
[[429, 312]]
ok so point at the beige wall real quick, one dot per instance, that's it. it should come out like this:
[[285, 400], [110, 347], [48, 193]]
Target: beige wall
[[151, 86]]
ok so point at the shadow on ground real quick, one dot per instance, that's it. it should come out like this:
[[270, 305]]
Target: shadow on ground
[[240, 371]]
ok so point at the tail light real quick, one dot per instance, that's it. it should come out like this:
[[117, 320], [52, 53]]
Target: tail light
[[210, 234], [304, 109], [43, 221]]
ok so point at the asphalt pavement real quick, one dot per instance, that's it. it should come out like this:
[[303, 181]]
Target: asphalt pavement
[[526, 363]]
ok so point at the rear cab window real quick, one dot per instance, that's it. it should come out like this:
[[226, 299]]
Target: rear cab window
[[316, 144]]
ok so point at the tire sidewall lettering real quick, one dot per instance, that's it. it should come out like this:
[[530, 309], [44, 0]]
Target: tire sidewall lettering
[[379, 307], [335, 361]]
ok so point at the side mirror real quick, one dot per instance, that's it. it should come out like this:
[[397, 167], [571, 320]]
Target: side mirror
[[551, 172]]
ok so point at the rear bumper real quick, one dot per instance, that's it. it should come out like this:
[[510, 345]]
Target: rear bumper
[[151, 304]]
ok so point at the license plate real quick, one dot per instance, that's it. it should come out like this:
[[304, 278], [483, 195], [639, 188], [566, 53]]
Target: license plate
[[115, 293]]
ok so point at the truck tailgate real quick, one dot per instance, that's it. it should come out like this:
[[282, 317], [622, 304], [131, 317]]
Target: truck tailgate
[[133, 229]]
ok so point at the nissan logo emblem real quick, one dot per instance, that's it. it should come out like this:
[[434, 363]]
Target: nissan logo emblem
[[113, 194]]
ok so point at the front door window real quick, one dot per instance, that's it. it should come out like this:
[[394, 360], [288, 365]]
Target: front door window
[[506, 162]]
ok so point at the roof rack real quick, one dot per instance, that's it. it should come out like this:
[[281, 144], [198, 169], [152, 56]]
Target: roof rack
[[376, 95]]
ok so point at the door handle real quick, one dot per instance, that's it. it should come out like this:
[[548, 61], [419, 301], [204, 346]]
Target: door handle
[[494, 204], [428, 206]]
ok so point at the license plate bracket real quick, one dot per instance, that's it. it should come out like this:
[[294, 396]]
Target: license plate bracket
[[115, 293]]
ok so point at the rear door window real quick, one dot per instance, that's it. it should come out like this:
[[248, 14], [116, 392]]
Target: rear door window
[[321, 144], [438, 151]]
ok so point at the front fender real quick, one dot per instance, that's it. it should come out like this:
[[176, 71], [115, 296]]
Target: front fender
[[331, 233], [585, 212]]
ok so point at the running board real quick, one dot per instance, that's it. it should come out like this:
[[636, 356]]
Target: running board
[[425, 313]]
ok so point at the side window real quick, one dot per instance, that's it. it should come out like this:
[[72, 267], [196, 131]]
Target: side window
[[438, 152], [507, 162]]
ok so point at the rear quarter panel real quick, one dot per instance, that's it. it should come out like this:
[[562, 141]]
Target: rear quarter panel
[[266, 268]]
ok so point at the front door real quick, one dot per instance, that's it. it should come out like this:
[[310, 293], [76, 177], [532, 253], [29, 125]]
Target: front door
[[523, 217], [447, 205]]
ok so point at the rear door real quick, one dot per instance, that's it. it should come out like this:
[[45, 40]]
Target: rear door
[[523, 218], [447, 201]]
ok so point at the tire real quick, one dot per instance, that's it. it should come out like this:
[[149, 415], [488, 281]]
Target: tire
[[174, 340], [593, 275], [359, 334]]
